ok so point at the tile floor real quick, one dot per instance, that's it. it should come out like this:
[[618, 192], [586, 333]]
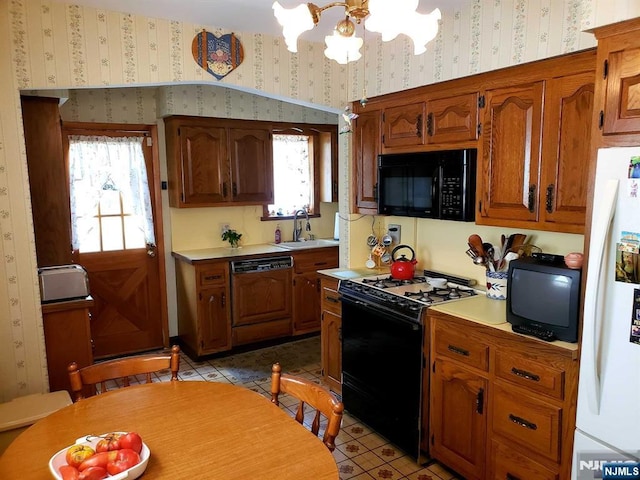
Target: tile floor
[[360, 452]]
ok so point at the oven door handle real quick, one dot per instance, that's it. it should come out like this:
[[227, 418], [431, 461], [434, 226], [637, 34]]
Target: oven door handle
[[368, 308]]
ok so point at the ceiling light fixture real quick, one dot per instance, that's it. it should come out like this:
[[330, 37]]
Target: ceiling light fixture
[[390, 18]]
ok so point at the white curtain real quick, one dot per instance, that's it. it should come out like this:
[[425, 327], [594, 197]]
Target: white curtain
[[98, 163]]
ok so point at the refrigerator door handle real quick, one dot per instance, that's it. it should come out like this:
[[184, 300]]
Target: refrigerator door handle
[[602, 220]]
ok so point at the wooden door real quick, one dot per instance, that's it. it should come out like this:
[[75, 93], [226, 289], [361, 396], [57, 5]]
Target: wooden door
[[306, 303], [214, 323], [204, 165], [458, 418], [566, 151], [127, 283], [508, 179], [622, 102], [367, 137], [403, 125], [48, 180], [251, 166], [452, 119]]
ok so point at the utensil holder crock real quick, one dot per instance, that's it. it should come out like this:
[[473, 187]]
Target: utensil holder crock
[[497, 285]]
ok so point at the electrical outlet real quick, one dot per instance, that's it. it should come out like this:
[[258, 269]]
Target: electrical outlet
[[223, 228], [394, 231]]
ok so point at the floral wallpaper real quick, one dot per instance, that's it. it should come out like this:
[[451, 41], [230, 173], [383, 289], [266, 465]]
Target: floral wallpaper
[[46, 45], [147, 104]]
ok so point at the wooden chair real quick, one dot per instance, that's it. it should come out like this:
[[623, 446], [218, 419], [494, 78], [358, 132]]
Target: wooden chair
[[122, 368], [314, 395]]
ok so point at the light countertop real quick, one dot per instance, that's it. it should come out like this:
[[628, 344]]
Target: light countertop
[[204, 254], [493, 313], [227, 252]]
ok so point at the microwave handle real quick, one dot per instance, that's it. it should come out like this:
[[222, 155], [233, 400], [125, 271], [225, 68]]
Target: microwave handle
[[437, 173]]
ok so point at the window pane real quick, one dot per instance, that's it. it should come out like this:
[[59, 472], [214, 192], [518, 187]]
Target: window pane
[[88, 234], [133, 234], [292, 174], [112, 234], [109, 202]]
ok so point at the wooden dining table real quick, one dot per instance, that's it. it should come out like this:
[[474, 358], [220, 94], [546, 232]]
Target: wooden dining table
[[194, 430]]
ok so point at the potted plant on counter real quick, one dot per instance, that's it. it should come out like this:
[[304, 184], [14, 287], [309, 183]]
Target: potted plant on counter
[[232, 237]]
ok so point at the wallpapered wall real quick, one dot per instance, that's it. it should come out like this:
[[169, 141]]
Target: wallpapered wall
[[50, 45]]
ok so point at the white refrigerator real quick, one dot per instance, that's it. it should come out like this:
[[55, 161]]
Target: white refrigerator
[[608, 411]]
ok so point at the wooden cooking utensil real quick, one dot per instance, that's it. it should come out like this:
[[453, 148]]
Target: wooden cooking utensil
[[475, 242], [518, 241]]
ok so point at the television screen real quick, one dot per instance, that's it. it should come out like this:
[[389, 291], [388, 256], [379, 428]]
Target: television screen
[[534, 297]]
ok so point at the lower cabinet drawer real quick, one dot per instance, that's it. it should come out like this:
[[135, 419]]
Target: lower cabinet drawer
[[508, 464], [532, 423], [529, 374], [457, 346]]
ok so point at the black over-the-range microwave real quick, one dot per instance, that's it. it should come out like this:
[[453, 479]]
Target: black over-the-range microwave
[[438, 184]]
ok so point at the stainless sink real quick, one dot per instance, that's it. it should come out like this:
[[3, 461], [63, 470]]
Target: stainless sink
[[319, 243]]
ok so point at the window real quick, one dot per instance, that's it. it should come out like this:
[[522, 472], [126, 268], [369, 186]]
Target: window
[[304, 163], [109, 193], [292, 174]]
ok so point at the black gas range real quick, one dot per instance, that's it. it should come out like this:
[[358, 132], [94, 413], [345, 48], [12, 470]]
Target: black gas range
[[382, 350], [407, 298]]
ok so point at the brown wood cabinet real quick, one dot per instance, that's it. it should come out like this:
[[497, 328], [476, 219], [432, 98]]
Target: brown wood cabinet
[[218, 311], [510, 159], [452, 119], [204, 306], [458, 397], [67, 338], [531, 124], [403, 125], [331, 333], [218, 162], [430, 121], [48, 180], [533, 169], [366, 148], [306, 287], [502, 404]]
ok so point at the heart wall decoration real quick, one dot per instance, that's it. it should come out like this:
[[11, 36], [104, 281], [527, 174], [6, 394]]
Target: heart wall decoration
[[217, 55]]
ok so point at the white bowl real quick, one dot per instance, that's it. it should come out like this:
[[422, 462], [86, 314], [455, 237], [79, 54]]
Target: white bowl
[[59, 460], [437, 282]]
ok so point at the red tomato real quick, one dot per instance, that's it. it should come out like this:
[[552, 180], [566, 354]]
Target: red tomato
[[100, 459], [131, 440], [76, 454], [69, 473], [110, 441], [93, 473], [126, 458]]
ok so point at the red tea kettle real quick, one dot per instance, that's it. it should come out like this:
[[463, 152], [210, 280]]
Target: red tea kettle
[[403, 268]]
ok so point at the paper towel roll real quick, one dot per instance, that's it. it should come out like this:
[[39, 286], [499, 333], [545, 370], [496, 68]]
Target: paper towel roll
[[336, 227]]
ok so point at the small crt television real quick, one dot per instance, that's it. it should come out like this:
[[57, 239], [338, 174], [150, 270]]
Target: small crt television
[[544, 297]]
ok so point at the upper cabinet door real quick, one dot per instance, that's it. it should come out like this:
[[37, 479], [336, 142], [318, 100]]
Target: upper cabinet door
[[511, 148], [403, 125], [565, 174], [452, 119], [366, 147], [204, 166], [622, 103], [251, 166]]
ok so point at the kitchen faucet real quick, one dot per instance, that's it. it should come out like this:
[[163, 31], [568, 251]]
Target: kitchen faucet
[[297, 228]]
